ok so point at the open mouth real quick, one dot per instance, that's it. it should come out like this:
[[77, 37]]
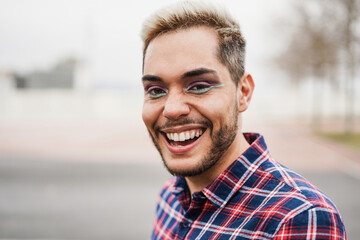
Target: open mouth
[[181, 139]]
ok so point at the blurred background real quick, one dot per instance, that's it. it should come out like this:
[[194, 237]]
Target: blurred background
[[76, 161]]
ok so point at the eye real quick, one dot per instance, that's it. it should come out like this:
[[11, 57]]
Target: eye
[[155, 91], [201, 86]]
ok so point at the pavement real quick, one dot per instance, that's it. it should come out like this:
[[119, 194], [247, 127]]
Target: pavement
[[88, 179]]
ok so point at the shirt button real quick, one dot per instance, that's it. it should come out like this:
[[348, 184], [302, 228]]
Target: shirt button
[[186, 224]]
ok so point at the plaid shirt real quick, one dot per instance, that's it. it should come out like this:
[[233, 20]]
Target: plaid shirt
[[255, 198]]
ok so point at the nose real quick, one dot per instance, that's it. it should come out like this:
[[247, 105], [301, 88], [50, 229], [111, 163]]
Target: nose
[[175, 106]]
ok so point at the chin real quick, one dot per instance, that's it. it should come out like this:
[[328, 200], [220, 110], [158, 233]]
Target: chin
[[187, 168]]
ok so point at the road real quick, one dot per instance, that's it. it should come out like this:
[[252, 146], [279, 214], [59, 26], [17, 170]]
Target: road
[[72, 200]]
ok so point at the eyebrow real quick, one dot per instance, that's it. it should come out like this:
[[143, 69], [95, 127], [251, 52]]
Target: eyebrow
[[198, 72], [151, 78], [192, 73]]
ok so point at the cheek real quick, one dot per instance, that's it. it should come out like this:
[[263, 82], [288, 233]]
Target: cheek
[[213, 112], [220, 106], [219, 111], [149, 115]]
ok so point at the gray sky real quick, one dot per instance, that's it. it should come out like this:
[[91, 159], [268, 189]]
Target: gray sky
[[36, 34]]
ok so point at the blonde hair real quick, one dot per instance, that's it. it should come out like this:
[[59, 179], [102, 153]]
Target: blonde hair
[[182, 15]]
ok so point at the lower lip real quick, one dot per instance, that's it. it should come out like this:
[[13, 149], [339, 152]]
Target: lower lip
[[182, 149]]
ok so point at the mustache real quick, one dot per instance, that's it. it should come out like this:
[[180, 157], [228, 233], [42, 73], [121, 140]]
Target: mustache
[[184, 121]]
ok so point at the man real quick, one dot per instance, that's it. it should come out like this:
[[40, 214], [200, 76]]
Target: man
[[225, 185]]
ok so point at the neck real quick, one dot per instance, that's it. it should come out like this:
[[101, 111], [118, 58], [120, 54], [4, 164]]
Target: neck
[[199, 182]]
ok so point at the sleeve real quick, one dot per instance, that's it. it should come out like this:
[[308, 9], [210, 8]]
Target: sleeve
[[316, 223]]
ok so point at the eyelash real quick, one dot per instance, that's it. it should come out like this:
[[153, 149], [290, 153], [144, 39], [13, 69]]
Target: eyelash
[[204, 87], [150, 89]]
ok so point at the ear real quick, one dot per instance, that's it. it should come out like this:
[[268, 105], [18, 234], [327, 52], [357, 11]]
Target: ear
[[245, 90]]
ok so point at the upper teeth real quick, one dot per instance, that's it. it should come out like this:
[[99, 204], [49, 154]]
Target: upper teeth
[[183, 136]]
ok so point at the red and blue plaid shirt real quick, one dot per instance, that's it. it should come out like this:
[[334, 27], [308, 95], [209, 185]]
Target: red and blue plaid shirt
[[255, 198]]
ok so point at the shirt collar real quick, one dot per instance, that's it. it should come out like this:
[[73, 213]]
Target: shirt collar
[[230, 181]]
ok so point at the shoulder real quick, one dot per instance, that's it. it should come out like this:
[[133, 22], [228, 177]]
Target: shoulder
[[315, 223], [168, 211], [297, 184], [309, 212], [173, 194]]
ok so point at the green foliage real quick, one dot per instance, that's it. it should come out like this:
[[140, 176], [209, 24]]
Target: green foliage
[[351, 139]]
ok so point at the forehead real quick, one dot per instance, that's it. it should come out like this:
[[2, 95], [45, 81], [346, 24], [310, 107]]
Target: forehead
[[180, 51]]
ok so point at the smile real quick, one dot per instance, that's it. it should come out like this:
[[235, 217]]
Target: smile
[[182, 141], [184, 136]]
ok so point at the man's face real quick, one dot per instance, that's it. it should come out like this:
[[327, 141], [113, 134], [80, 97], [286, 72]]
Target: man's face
[[190, 105]]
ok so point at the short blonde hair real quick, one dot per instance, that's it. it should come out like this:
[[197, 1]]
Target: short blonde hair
[[188, 14]]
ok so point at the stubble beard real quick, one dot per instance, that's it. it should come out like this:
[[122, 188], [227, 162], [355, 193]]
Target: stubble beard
[[221, 141]]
